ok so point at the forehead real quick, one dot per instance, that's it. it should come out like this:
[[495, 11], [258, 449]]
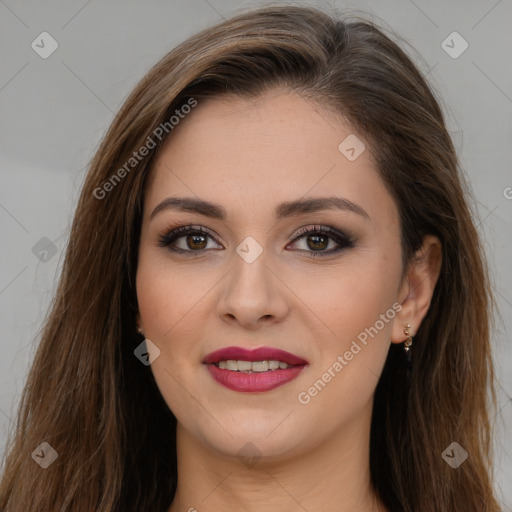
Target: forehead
[[250, 155]]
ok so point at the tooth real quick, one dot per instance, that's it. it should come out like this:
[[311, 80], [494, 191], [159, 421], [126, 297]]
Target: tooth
[[260, 366], [244, 366], [249, 367], [231, 365]]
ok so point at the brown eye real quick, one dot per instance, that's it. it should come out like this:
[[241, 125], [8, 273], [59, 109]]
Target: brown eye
[[318, 238], [195, 240]]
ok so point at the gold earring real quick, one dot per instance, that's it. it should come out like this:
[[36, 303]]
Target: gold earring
[[139, 330], [408, 341]]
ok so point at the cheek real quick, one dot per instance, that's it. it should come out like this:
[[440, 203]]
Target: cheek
[[351, 298], [165, 295], [168, 302], [357, 311], [155, 296], [174, 302]]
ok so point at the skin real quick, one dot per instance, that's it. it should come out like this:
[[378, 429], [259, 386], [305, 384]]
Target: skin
[[249, 156]]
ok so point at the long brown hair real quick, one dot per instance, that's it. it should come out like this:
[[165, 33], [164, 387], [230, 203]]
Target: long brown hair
[[93, 401]]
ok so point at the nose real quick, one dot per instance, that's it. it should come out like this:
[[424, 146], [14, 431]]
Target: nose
[[253, 294]]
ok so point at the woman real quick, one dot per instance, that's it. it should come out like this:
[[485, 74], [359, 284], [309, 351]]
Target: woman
[[274, 296]]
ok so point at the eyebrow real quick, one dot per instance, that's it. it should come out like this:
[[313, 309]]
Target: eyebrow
[[283, 210]]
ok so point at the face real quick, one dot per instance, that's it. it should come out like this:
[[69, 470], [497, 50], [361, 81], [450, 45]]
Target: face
[[321, 283]]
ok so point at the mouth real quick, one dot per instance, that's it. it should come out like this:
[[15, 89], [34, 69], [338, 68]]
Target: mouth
[[256, 370]]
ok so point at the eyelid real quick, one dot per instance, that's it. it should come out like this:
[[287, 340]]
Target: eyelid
[[320, 228]]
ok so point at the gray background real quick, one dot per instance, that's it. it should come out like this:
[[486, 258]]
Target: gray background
[[55, 111]]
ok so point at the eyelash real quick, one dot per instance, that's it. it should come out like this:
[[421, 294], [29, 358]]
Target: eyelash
[[344, 240]]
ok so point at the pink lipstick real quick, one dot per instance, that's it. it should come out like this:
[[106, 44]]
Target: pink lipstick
[[257, 370]]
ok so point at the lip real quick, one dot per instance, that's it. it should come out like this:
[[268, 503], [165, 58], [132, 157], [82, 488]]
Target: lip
[[254, 382], [258, 354]]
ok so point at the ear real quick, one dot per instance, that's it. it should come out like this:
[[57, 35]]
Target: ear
[[417, 288]]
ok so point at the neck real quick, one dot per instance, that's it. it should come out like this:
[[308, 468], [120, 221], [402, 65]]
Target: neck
[[334, 475]]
